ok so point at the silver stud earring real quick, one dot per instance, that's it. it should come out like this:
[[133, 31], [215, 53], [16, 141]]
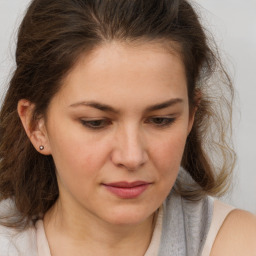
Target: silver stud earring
[[41, 147]]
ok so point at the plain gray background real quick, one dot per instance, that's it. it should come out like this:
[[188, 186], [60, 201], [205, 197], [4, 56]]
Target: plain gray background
[[233, 22]]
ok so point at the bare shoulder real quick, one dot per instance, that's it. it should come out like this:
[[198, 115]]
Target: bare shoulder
[[237, 235]]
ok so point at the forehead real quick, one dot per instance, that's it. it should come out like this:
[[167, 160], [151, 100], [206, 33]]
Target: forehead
[[124, 71], [144, 54]]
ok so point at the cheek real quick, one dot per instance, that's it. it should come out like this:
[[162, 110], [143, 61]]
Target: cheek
[[76, 156], [79, 167], [166, 157], [168, 153]]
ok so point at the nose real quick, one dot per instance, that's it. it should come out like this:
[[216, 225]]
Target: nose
[[129, 151]]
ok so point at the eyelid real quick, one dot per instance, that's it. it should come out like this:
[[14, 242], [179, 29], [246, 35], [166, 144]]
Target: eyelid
[[101, 123], [167, 121], [88, 123]]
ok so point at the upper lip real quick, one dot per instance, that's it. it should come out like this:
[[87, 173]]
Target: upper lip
[[125, 184]]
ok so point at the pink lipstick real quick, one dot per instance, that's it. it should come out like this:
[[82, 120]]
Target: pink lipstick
[[127, 190]]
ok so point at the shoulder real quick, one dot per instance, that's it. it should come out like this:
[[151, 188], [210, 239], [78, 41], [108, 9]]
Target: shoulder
[[237, 235]]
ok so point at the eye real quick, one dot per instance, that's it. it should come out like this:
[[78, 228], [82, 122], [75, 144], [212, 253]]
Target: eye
[[95, 124], [161, 121]]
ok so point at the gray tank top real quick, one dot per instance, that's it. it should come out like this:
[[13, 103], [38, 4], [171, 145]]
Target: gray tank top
[[185, 226], [186, 223]]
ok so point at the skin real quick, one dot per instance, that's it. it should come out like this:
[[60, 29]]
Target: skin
[[237, 235], [94, 146]]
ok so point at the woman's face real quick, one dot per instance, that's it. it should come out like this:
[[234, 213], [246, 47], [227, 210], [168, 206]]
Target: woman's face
[[117, 131]]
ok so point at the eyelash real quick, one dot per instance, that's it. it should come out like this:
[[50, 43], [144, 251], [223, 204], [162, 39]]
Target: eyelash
[[164, 121], [102, 123], [99, 124]]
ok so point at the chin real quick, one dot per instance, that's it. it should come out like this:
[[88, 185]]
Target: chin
[[129, 216]]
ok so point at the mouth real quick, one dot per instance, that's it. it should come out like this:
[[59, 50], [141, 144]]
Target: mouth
[[127, 190]]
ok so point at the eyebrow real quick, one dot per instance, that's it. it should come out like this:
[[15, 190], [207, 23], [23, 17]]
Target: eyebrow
[[97, 105], [107, 108], [163, 105]]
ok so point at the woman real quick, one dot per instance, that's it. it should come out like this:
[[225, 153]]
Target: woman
[[106, 145]]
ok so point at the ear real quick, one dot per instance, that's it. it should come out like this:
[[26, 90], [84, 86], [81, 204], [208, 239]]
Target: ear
[[193, 109], [35, 130], [191, 119]]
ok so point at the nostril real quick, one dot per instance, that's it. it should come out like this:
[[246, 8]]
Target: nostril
[[129, 162], [129, 151]]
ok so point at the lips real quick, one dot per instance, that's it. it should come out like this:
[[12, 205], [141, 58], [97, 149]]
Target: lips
[[127, 190]]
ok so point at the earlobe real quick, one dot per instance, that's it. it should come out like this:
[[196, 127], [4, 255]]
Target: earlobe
[[35, 129]]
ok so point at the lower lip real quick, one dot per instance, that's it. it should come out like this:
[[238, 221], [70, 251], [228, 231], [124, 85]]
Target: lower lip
[[127, 193]]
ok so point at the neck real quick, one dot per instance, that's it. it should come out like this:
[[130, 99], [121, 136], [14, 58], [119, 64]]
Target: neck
[[83, 232]]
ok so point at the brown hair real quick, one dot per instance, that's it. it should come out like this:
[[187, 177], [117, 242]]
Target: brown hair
[[54, 34]]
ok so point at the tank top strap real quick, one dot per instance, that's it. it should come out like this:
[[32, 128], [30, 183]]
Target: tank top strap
[[42, 243], [156, 237], [220, 212]]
